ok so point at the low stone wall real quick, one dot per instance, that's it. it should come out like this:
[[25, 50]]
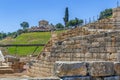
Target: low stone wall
[[95, 70]]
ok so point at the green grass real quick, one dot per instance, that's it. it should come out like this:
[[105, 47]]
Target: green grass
[[29, 38], [60, 31], [109, 16]]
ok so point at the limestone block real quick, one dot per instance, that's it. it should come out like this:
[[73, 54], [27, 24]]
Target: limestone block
[[48, 78], [95, 44], [76, 50], [76, 78], [88, 55], [96, 78], [100, 39], [77, 41], [113, 56], [112, 78], [94, 50], [104, 56], [118, 55], [67, 50], [98, 68], [70, 69], [117, 68], [77, 55]]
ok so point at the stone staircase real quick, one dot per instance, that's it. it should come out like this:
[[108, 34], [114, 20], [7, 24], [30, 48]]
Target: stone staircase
[[5, 69]]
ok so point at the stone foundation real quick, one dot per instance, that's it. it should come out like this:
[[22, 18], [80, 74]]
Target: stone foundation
[[95, 70], [77, 70]]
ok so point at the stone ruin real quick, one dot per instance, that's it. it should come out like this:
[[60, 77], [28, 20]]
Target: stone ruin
[[10, 64], [4, 66], [91, 52], [1, 58]]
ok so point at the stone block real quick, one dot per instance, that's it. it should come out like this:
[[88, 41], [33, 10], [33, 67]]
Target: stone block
[[96, 78], [98, 68], [48, 78], [117, 68], [112, 78], [76, 78], [70, 68], [88, 55], [112, 56]]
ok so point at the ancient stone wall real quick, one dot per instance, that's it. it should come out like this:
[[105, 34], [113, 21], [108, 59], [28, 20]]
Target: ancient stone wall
[[97, 47], [102, 46], [96, 70], [88, 70], [107, 23], [80, 44]]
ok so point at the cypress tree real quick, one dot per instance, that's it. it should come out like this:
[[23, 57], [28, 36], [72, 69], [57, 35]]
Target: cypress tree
[[66, 17]]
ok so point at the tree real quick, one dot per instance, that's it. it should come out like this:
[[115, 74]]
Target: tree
[[19, 31], [59, 26], [105, 14], [3, 35], [13, 34], [66, 17], [24, 25], [75, 22]]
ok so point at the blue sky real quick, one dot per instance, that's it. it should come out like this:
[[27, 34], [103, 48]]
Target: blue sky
[[14, 12]]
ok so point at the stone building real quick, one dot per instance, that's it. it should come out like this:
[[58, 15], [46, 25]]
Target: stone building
[[43, 25]]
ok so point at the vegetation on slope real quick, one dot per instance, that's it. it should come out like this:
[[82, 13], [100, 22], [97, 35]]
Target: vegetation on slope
[[107, 13], [29, 38]]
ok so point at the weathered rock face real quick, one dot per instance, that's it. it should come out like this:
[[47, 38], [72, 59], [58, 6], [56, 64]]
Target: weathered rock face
[[112, 78], [101, 68], [70, 69], [117, 68], [76, 78]]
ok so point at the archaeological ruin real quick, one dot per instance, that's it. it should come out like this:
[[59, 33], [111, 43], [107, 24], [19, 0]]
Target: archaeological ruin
[[90, 52], [43, 26]]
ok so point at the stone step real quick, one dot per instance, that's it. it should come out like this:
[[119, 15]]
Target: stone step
[[6, 71], [5, 67]]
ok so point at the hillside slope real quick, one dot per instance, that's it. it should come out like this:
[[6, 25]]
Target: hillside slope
[[27, 38]]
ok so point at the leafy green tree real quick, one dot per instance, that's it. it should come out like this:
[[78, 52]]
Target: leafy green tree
[[59, 26], [66, 17], [20, 31], [24, 25], [3, 35], [105, 14], [75, 22], [12, 34]]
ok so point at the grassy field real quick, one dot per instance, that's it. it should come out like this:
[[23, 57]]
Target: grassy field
[[29, 38]]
